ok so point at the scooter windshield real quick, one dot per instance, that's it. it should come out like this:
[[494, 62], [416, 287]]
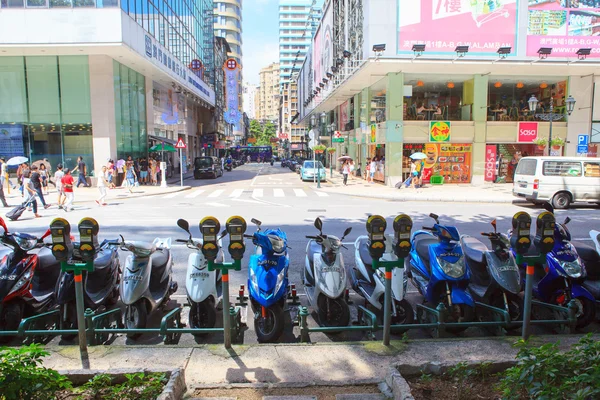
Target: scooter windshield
[[271, 240]]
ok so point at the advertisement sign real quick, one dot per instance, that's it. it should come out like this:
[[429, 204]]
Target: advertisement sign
[[483, 25], [251, 140], [566, 26], [373, 137], [11, 140], [490, 163], [232, 90], [439, 131], [528, 131], [452, 161], [337, 137], [344, 115]]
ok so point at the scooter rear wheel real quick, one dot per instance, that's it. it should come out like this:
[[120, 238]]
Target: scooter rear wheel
[[10, 319], [202, 315], [586, 311], [333, 312], [269, 328], [405, 315], [135, 318]]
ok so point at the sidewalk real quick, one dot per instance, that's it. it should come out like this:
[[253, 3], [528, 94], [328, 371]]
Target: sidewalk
[[469, 193]]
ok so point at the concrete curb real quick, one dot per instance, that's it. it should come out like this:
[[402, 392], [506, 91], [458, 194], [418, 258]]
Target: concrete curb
[[428, 199], [284, 385], [174, 389]]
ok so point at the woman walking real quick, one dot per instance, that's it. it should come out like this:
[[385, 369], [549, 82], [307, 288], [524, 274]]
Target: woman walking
[[345, 172], [102, 184], [58, 175], [130, 176], [44, 176]]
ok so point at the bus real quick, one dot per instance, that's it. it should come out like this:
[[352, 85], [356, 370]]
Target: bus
[[242, 152]]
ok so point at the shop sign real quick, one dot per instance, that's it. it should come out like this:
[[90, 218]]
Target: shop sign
[[373, 137], [251, 140], [439, 131], [490, 163], [11, 140], [232, 71], [337, 137], [528, 131]]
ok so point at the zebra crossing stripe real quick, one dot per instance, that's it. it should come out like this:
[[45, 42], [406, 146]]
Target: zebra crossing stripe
[[171, 195], [321, 194], [216, 193], [257, 193], [236, 193], [278, 193], [194, 194], [299, 193]]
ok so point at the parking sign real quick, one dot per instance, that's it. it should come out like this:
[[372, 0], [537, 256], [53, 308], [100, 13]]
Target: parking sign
[[582, 144]]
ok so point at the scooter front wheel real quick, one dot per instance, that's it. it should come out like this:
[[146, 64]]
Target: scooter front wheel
[[268, 325], [586, 311], [333, 312], [135, 318], [202, 315]]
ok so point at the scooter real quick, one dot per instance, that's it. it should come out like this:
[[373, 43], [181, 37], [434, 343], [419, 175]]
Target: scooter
[[27, 280], [228, 166], [370, 284], [437, 268], [272, 162], [203, 287], [100, 287], [558, 281], [268, 281], [590, 255], [325, 277], [495, 278], [147, 281]]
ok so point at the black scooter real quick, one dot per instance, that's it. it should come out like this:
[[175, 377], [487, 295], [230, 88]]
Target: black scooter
[[495, 278], [100, 288]]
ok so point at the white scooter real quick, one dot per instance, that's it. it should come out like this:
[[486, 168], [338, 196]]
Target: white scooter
[[325, 278], [147, 281], [203, 287], [370, 284]]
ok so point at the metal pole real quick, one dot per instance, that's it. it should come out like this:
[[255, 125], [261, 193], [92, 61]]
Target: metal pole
[[331, 155], [551, 119], [85, 361], [387, 304], [181, 165], [226, 317], [527, 305]]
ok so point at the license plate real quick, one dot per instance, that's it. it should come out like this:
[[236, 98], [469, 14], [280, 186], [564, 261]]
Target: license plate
[[523, 185]]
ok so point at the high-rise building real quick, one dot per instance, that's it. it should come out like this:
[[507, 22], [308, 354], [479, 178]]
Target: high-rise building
[[268, 106], [111, 80], [250, 97]]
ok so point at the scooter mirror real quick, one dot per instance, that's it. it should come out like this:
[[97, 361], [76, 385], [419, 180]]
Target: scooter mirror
[[236, 227], [402, 227], [494, 225], [183, 224], [256, 222], [319, 224], [435, 217], [209, 227], [62, 247], [544, 237], [347, 232], [520, 240], [88, 238], [567, 220], [3, 225]]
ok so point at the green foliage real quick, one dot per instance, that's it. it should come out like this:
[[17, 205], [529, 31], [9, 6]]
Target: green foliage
[[23, 377], [331, 150], [556, 141], [425, 378], [544, 373], [319, 148], [255, 129], [136, 387], [540, 141], [263, 133]]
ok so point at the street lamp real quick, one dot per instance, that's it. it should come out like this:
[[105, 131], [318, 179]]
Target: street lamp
[[313, 123], [331, 129], [551, 116]]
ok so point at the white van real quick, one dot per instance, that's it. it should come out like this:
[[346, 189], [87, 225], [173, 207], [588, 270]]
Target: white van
[[560, 180]]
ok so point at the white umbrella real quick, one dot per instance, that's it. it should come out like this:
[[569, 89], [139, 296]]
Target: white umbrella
[[16, 161], [343, 158], [418, 156]]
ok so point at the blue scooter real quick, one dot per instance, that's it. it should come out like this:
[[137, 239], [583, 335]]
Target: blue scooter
[[559, 280], [437, 268], [268, 282]]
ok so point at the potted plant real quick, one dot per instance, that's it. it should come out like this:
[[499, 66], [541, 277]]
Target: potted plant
[[557, 143], [541, 142], [319, 149], [331, 150]]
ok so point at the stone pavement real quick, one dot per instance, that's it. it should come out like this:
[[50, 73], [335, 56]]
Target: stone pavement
[[469, 193]]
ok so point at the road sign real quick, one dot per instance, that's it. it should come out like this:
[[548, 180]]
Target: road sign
[[180, 144], [337, 137], [231, 64], [583, 140], [312, 144], [582, 149]]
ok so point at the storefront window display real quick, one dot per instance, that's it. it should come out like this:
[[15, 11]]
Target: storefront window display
[[378, 102], [508, 97], [501, 160], [452, 161], [447, 98]]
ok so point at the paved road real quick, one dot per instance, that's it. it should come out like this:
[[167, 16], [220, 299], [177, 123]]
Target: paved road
[[278, 198]]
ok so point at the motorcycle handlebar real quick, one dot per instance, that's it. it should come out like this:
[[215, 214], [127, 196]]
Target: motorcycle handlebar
[[248, 236], [428, 228], [181, 241], [313, 237]]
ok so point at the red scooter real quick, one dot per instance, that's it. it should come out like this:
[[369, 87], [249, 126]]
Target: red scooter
[[27, 280]]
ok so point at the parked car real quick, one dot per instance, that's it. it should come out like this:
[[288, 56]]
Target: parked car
[[205, 167], [310, 169], [560, 180]]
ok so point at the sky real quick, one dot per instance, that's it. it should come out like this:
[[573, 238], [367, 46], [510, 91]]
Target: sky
[[260, 35]]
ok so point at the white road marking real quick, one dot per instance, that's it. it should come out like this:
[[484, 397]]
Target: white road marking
[[217, 205], [216, 193], [257, 193], [299, 193], [248, 201], [194, 194], [171, 195], [321, 194], [236, 193], [278, 193]]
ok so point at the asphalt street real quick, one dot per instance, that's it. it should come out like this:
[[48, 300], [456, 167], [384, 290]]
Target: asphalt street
[[277, 197]]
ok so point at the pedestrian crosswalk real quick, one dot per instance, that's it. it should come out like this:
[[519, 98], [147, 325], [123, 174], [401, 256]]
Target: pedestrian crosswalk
[[251, 193]]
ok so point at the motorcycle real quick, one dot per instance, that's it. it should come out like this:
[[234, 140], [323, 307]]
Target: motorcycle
[[370, 284], [203, 287], [590, 255], [147, 281], [325, 277], [437, 268], [272, 162], [495, 278], [268, 281], [228, 166], [100, 287], [27, 280]]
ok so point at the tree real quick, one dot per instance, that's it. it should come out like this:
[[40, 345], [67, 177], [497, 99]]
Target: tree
[[269, 131], [255, 129]]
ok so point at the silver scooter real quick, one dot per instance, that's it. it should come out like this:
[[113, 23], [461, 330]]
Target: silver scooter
[[147, 281], [325, 277], [370, 283]]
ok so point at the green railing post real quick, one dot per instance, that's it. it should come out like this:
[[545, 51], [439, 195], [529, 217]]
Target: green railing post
[[387, 297], [442, 315], [91, 335], [530, 262], [303, 325], [225, 267]]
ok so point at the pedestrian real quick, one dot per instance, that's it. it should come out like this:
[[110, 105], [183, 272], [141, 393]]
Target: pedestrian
[[351, 165], [153, 171], [102, 183], [372, 169], [414, 174], [130, 175], [358, 170], [67, 184], [110, 172], [44, 176], [35, 182], [31, 193], [222, 163], [345, 172], [368, 170], [81, 167], [4, 177], [120, 173], [58, 175], [143, 171]]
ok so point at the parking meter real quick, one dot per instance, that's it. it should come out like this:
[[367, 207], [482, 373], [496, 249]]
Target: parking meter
[[209, 227], [402, 227], [544, 236], [520, 239], [88, 238], [376, 229], [62, 247], [236, 226]]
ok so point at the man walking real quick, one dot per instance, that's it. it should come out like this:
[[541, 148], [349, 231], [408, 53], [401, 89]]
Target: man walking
[[102, 183], [36, 184], [2, 178], [67, 183], [82, 172]]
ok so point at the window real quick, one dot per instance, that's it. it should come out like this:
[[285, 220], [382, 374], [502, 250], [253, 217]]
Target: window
[[437, 97], [591, 169], [561, 168], [526, 167]]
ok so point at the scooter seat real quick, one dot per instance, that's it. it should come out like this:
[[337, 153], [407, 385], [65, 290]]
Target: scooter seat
[[46, 273], [160, 258], [591, 260], [365, 256], [422, 243], [473, 248], [103, 259]]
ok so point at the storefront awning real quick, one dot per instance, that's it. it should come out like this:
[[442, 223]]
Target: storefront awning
[[162, 139]]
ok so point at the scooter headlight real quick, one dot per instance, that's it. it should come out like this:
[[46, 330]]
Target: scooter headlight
[[21, 282], [335, 244], [572, 268], [25, 243], [453, 270], [254, 281], [277, 243], [280, 279]]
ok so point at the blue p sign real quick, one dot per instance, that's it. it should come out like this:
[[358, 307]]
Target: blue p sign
[[583, 140]]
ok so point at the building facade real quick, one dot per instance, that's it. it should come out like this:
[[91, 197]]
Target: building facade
[[110, 81], [454, 82], [251, 93], [268, 106]]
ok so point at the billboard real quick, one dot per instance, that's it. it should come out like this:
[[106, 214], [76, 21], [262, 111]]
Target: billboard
[[566, 26], [483, 25]]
